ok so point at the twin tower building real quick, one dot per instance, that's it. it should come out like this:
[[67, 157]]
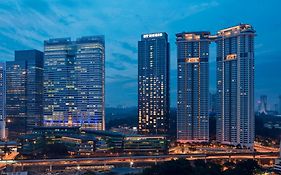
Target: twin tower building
[[62, 86], [235, 85]]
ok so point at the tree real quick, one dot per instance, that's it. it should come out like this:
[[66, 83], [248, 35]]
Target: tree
[[199, 167], [184, 167], [57, 149], [248, 167], [89, 173], [209, 168], [174, 167]]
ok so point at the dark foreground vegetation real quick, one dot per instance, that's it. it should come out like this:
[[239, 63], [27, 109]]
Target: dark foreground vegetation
[[199, 167]]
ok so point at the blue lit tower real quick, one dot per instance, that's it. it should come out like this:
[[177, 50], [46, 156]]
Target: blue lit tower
[[74, 82], [90, 71]]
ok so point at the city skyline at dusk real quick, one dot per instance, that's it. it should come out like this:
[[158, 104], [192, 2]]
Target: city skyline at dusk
[[140, 87], [26, 24]]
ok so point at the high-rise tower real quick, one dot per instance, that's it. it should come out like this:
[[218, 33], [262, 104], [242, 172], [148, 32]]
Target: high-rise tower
[[235, 85], [24, 91], [193, 86], [153, 83], [90, 71], [74, 77]]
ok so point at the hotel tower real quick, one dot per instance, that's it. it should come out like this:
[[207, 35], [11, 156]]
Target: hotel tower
[[153, 83]]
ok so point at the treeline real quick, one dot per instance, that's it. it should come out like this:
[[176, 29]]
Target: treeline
[[199, 167]]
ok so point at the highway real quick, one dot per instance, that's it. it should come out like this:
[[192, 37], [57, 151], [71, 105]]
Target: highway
[[135, 159]]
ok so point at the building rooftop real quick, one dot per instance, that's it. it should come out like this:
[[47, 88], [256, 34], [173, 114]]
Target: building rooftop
[[104, 133], [56, 127], [29, 136], [192, 35], [8, 143], [58, 41], [235, 29], [67, 40], [82, 137], [87, 39], [194, 32], [152, 36]]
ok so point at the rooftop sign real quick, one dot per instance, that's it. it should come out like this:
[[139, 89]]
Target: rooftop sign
[[152, 35]]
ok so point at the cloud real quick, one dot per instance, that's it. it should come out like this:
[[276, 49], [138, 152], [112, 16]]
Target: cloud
[[123, 58], [128, 46], [116, 66]]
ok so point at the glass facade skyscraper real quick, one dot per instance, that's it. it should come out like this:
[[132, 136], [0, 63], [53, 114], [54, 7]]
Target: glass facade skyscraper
[[235, 85], [59, 82], [90, 70], [24, 91], [153, 83], [193, 86], [74, 82]]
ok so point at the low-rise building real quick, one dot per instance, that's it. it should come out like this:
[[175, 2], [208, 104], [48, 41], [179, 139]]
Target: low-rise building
[[30, 144], [80, 144], [107, 141], [7, 147], [56, 130], [145, 145], [88, 142]]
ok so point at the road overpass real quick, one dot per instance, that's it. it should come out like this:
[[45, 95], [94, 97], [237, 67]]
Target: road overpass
[[137, 159]]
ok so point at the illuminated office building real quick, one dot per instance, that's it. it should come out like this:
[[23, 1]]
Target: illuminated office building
[[235, 85], [74, 73], [153, 83], [24, 91], [90, 71], [193, 86]]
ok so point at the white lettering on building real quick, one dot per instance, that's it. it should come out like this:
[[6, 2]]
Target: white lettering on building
[[152, 35]]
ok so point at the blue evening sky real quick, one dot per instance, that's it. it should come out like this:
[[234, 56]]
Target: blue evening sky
[[25, 24]]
